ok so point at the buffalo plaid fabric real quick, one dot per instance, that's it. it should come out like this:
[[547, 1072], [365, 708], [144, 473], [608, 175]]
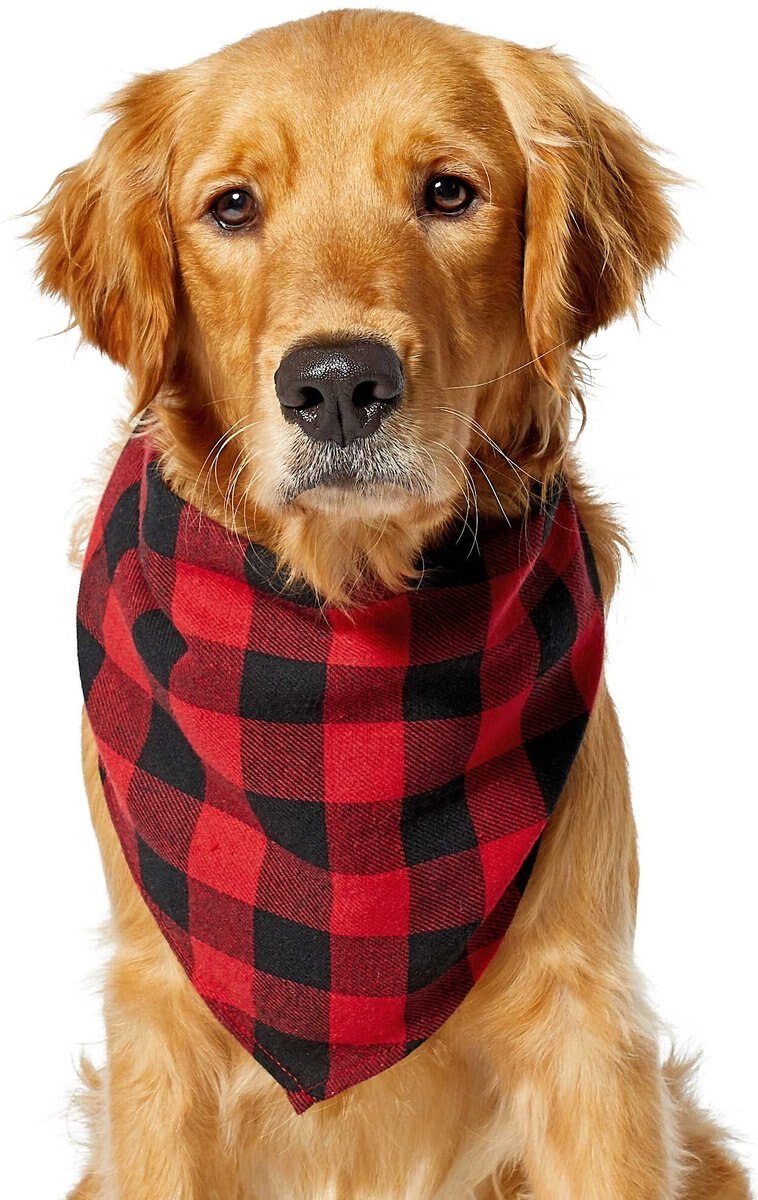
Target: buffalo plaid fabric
[[331, 816]]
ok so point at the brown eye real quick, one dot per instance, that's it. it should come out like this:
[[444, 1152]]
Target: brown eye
[[449, 195], [234, 209]]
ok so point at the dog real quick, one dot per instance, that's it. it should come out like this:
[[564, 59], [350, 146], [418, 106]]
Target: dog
[[456, 215]]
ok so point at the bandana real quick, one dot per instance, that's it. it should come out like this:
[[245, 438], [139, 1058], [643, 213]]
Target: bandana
[[332, 815]]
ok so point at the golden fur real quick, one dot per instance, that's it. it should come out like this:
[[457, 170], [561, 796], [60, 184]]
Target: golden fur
[[547, 1082]]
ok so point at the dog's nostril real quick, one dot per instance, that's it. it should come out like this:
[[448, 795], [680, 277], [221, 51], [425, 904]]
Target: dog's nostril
[[366, 394], [311, 396], [338, 393]]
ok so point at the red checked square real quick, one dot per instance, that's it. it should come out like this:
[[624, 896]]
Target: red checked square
[[375, 967], [207, 603], [371, 905], [376, 636], [499, 730], [120, 642], [502, 859], [119, 772], [305, 901], [301, 1011], [124, 737], [219, 977], [562, 547], [502, 798], [221, 921], [586, 652], [367, 1020], [215, 736], [506, 611], [351, 851], [286, 630], [219, 844], [270, 768], [479, 960], [363, 763]]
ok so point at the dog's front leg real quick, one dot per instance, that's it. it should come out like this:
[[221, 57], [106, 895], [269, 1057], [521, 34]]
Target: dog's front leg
[[596, 1119], [155, 1126], [154, 1103], [591, 1110], [154, 1111]]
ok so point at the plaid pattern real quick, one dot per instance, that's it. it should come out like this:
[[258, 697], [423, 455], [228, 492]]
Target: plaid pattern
[[331, 816]]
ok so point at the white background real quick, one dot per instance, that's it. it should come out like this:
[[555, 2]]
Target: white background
[[671, 439]]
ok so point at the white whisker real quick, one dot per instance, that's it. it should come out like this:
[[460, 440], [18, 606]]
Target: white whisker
[[470, 490], [492, 488], [475, 425], [462, 387]]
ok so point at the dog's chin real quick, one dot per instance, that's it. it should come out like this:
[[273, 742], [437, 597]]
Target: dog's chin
[[371, 478], [362, 498]]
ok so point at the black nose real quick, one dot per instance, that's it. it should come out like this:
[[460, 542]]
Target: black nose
[[339, 393]]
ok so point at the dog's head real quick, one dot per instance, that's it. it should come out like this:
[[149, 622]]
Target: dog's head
[[347, 262]]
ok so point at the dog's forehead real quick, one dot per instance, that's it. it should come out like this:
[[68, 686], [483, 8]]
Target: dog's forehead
[[326, 89]]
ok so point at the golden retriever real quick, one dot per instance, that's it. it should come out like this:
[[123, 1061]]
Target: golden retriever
[[473, 205]]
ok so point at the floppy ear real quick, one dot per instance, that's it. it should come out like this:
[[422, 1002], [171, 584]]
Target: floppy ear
[[597, 221], [107, 246]]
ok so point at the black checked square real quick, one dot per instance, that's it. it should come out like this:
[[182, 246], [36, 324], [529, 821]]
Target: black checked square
[[431, 954], [437, 823], [453, 563], [166, 886], [158, 643], [525, 870], [163, 511], [555, 621], [91, 657], [289, 950], [307, 1060], [298, 825], [122, 531], [551, 755], [282, 689], [433, 691], [167, 755]]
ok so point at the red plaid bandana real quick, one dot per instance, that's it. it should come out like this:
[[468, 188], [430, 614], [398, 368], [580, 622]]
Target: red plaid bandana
[[332, 816]]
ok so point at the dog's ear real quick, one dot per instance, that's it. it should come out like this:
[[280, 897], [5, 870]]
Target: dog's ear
[[107, 246], [597, 221]]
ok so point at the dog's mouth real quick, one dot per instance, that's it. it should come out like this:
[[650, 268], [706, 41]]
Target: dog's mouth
[[369, 466]]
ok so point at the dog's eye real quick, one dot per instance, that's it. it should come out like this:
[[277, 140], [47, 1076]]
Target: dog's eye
[[447, 194], [234, 209]]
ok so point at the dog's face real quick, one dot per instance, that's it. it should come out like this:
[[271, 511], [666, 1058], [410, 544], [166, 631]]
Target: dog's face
[[347, 261], [350, 252]]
